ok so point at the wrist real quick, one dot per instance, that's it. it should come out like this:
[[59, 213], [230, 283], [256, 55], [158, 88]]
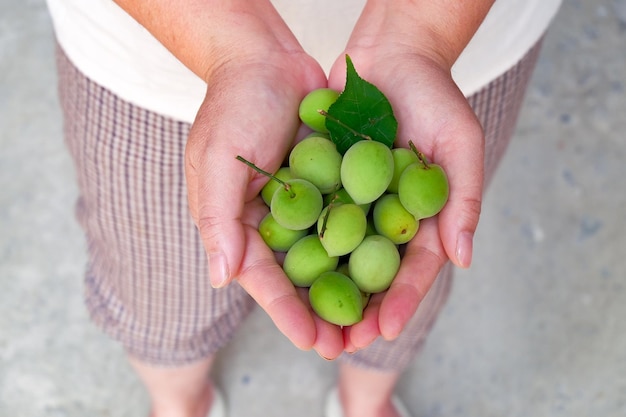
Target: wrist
[[248, 34], [438, 31], [204, 35]]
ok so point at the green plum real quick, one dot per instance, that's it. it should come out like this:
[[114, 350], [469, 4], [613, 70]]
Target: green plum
[[374, 263], [306, 260], [341, 228], [335, 298], [402, 158], [268, 190], [365, 297], [366, 170], [344, 268], [371, 228], [312, 103], [393, 221], [297, 205], [341, 196], [277, 237], [423, 189], [317, 160], [318, 135]]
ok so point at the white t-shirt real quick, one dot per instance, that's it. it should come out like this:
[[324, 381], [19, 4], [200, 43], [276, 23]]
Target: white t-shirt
[[112, 49]]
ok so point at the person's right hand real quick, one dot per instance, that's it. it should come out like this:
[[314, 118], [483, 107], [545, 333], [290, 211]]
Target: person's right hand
[[251, 110]]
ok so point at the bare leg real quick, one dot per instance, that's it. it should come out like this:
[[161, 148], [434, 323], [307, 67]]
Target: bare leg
[[184, 391], [366, 393]]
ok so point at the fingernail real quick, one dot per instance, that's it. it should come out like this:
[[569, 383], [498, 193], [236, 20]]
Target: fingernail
[[218, 269], [464, 245], [325, 358], [350, 348]]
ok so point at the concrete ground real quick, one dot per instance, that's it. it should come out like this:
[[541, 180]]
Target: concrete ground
[[535, 328]]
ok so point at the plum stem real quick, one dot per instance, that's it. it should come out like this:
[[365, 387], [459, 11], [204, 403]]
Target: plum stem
[[420, 156], [326, 215], [342, 124], [267, 174]]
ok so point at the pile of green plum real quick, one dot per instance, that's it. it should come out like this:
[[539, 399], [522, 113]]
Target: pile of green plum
[[340, 219]]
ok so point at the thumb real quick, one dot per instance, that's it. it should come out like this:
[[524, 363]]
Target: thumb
[[216, 184], [459, 218]]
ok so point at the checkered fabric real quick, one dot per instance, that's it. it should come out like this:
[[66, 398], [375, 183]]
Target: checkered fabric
[[147, 279]]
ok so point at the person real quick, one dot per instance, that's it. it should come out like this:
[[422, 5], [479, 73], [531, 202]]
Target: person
[[158, 97]]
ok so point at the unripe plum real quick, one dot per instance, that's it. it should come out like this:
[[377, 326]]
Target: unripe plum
[[341, 196], [335, 298], [341, 228], [393, 221], [306, 260], [297, 205], [268, 190], [423, 189], [374, 263], [312, 103], [366, 170], [402, 158], [277, 237], [317, 160]]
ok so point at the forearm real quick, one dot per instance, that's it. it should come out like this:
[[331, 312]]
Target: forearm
[[203, 34], [438, 28]]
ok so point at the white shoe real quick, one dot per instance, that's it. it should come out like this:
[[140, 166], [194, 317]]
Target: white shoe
[[333, 405], [218, 408]]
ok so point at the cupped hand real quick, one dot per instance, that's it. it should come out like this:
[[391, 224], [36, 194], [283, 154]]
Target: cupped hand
[[251, 110], [434, 114]]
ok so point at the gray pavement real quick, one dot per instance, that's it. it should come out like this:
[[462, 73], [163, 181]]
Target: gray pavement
[[535, 328]]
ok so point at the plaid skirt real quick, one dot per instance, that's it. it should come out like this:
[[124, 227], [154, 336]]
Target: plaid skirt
[[147, 283]]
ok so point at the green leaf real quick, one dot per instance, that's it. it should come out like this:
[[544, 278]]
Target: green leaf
[[361, 112]]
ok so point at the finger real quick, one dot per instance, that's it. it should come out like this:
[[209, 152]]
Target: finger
[[348, 347], [462, 155], [329, 337], [265, 281], [422, 261], [337, 75], [363, 333], [216, 187]]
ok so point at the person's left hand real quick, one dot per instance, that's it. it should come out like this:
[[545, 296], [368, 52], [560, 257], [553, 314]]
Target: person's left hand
[[434, 114]]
